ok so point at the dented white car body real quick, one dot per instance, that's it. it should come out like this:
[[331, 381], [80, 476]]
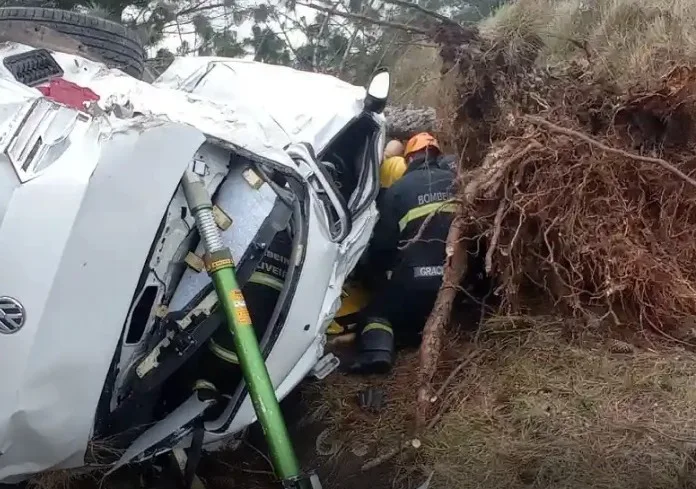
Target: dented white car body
[[94, 233]]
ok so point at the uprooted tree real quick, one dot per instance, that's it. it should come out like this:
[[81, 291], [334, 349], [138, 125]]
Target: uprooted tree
[[579, 187]]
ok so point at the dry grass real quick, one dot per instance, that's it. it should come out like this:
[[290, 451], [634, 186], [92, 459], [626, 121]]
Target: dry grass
[[544, 404], [66, 479], [555, 407], [416, 76], [419, 82], [626, 38], [336, 403], [57, 479], [99, 451], [446, 112]]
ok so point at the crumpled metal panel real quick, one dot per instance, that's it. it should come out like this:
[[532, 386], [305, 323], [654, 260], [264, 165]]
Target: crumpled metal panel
[[72, 254], [307, 107], [248, 208]]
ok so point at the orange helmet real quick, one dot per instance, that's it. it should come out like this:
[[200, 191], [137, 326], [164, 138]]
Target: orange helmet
[[420, 141]]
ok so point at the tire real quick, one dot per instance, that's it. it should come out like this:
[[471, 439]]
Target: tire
[[117, 45]]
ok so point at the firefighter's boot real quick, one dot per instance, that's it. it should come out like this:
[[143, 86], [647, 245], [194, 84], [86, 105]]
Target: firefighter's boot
[[376, 348]]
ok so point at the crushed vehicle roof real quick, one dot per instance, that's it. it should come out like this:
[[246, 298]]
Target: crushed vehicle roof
[[255, 106], [258, 107], [308, 107]]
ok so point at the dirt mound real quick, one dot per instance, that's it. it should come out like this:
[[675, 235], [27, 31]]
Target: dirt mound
[[581, 189]]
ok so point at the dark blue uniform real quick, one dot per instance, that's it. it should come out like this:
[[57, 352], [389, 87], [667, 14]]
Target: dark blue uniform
[[411, 258]]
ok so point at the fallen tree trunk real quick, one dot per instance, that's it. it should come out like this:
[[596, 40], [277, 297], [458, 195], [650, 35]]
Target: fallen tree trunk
[[404, 122], [455, 268]]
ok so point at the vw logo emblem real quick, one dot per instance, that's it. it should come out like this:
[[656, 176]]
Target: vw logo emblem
[[12, 315]]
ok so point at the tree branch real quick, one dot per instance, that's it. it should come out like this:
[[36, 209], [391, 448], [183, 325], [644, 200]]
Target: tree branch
[[364, 18], [318, 40], [274, 13], [593, 142], [199, 8], [359, 27], [424, 11], [431, 344]]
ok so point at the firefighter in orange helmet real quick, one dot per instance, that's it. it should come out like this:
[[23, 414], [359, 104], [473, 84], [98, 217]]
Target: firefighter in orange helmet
[[411, 274], [424, 148]]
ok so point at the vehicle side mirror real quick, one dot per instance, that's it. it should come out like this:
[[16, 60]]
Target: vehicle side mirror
[[378, 91]]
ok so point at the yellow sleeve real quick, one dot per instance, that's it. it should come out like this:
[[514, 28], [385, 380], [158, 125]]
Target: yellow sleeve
[[391, 170]]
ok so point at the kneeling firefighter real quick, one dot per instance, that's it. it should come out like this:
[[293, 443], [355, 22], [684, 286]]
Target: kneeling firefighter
[[355, 296], [410, 270], [220, 365]]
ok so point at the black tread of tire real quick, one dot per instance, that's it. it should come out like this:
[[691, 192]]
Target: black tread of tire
[[101, 34], [75, 22], [74, 18], [103, 43], [117, 57]]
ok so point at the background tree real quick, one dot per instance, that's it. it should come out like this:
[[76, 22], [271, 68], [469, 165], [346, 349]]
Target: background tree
[[346, 38]]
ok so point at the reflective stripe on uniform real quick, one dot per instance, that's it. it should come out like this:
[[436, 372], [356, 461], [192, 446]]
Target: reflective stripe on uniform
[[204, 384], [261, 278], [223, 353], [376, 326], [424, 210], [335, 328]]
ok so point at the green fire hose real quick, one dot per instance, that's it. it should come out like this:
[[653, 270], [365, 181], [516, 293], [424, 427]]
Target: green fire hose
[[220, 266]]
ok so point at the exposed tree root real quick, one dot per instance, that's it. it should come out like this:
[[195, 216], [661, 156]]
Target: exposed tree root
[[620, 152], [549, 174], [486, 183], [497, 222], [455, 268], [585, 190]]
